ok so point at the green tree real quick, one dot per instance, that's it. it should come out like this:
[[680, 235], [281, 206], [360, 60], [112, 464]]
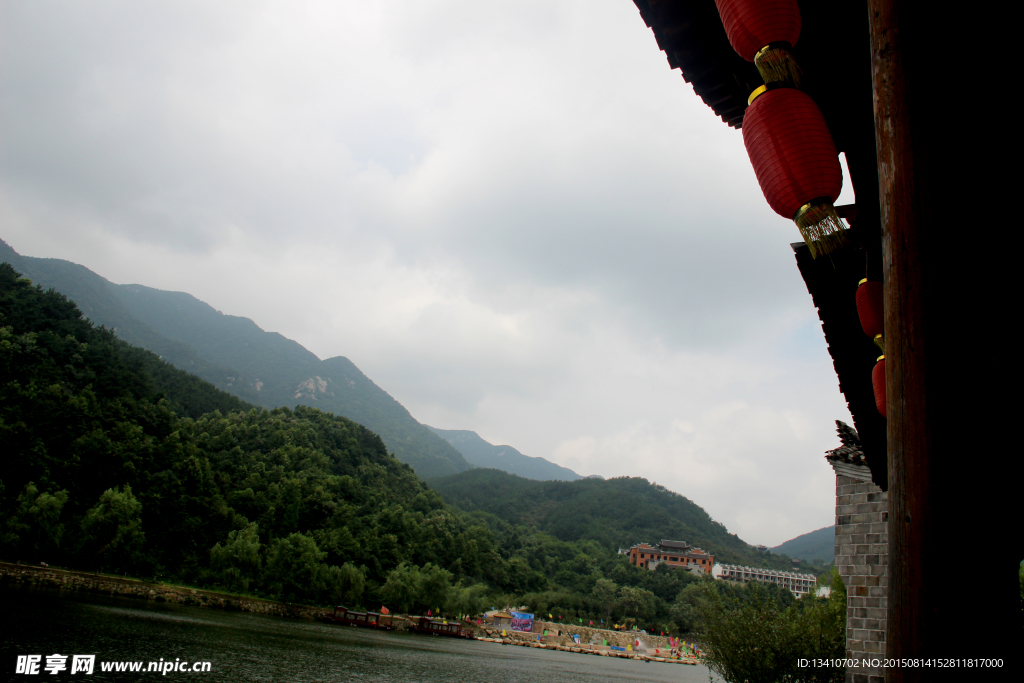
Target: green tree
[[345, 584], [295, 569], [466, 599], [401, 590], [33, 529], [820, 624], [749, 635], [410, 588], [1020, 578], [684, 613], [603, 592], [112, 530], [237, 562], [637, 602], [435, 587]]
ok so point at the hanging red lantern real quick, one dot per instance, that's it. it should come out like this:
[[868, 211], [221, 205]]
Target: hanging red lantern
[[796, 163], [869, 307], [878, 384], [763, 31]]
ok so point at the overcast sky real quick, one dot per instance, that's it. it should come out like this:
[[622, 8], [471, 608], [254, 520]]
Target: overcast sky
[[511, 215]]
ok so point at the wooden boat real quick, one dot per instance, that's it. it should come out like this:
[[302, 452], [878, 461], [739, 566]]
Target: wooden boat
[[343, 615], [436, 627]]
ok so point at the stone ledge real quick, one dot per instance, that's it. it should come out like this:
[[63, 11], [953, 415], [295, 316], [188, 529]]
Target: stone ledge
[[67, 579]]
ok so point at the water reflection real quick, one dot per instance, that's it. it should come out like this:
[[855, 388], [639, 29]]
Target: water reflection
[[249, 647]]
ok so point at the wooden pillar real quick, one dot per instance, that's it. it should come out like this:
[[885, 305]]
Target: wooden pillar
[[945, 298], [905, 357]]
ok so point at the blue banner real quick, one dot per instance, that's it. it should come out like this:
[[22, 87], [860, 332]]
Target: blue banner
[[521, 621]]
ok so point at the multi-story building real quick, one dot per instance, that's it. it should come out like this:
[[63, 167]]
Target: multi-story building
[[800, 584], [676, 554]]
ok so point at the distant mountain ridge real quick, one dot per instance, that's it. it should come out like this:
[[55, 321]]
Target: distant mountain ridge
[[616, 513], [237, 356], [814, 545], [482, 453]]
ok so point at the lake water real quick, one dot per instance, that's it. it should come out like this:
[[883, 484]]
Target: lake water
[[249, 647]]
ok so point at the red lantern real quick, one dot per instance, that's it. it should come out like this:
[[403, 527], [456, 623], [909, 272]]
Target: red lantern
[[869, 307], [762, 31], [878, 384], [796, 163]]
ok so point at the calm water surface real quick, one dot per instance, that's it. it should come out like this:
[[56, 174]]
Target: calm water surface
[[249, 647]]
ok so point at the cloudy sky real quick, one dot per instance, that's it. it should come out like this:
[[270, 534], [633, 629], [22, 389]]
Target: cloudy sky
[[512, 215]]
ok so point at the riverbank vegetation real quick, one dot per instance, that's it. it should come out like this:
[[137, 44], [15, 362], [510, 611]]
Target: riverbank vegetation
[[117, 461], [759, 632]]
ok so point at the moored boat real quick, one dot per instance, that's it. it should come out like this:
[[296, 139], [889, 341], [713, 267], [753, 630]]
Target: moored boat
[[343, 615], [437, 627]]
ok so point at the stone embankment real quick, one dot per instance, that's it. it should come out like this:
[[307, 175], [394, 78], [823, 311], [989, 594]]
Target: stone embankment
[[588, 649], [116, 586], [559, 637], [597, 636]]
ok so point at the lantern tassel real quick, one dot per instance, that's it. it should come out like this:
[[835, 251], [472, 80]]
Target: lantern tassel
[[821, 227], [776, 64]]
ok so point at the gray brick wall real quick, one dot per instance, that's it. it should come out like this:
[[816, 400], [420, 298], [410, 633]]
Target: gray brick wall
[[862, 557]]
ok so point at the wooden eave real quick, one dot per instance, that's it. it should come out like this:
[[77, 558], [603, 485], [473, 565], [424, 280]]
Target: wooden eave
[[692, 37], [834, 53]]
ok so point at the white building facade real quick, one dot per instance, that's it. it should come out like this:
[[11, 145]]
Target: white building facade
[[799, 584]]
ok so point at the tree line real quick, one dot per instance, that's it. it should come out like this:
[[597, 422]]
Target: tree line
[[116, 461]]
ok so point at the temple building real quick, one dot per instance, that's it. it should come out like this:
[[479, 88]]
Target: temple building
[[675, 554]]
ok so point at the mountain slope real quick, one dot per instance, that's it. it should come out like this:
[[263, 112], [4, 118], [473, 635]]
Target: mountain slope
[[102, 470], [62, 355], [616, 512], [95, 299], [815, 545], [481, 453], [235, 355], [284, 372]]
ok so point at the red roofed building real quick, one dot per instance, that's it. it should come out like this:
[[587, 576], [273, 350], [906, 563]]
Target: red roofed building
[[676, 554]]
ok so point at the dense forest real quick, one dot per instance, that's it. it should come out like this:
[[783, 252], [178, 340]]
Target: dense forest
[[235, 355], [115, 460], [614, 513]]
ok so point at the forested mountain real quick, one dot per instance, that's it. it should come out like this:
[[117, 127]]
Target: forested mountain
[[817, 545], [108, 460], [480, 453], [112, 461], [615, 513], [235, 355]]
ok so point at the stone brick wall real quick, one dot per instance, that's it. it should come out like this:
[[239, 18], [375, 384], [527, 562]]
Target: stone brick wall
[[862, 557]]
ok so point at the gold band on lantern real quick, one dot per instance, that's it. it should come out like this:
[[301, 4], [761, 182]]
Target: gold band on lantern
[[862, 282], [820, 225], [882, 357], [880, 342], [776, 64], [758, 91]]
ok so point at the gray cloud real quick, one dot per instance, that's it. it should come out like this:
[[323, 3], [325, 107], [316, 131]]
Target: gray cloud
[[512, 215]]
